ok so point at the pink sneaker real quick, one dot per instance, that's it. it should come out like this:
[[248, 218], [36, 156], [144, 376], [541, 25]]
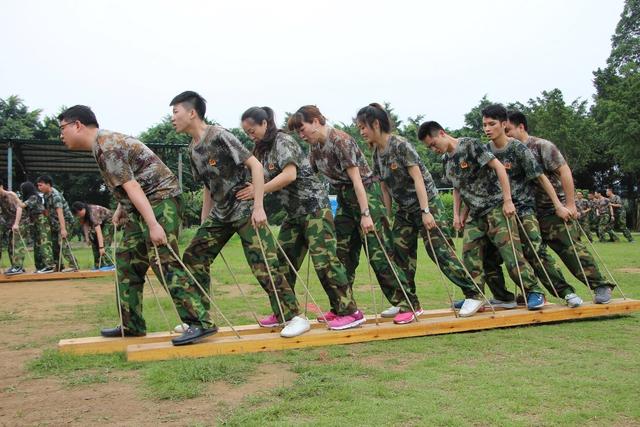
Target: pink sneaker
[[349, 321], [269, 321], [329, 315], [406, 317]]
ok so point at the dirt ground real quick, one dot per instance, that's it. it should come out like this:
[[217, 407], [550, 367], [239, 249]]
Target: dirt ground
[[34, 315]]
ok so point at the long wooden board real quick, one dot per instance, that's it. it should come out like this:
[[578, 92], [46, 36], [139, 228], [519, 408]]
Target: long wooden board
[[94, 345], [34, 277], [370, 332]]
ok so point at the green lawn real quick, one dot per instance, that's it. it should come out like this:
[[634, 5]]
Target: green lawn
[[581, 372]]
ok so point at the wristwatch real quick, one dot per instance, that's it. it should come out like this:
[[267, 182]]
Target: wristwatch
[[425, 210], [365, 213]]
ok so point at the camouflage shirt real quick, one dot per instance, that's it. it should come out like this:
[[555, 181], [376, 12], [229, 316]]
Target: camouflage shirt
[[306, 194], [335, 155], [523, 169], [53, 201], [550, 159], [34, 206], [467, 171], [602, 206], [122, 158], [9, 202], [616, 200], [99, 215], [218, 162], [392, 166], [582, 205]]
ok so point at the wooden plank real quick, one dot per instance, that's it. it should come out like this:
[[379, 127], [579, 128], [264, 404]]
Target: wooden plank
[[95, 345], [34, 277], [273, 342]]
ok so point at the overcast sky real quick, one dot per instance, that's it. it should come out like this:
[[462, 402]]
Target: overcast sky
[[127, 59]]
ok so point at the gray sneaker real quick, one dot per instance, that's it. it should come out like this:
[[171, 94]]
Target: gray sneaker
[[573, 300], [502, 304], [603, 294]]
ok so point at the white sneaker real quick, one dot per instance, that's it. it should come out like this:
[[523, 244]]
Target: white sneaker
[[470, 307], [390, 312], [573, 300], [296, 326], [181, 328]]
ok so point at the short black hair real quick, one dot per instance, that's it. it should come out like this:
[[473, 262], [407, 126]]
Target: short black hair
[[428, 129], [80, 113], [46, 179], [517, 118], [495, 111], [193, 99]]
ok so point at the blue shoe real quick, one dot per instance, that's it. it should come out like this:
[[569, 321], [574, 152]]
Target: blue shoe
[[535, 300], [457, 305], [107, 268]]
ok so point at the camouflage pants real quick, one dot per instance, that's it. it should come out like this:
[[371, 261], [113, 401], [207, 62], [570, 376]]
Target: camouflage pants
[[620, 222], [17, 246], [42, 251], [350, 240], [493, 229], [316, 234], [209, 240], [135, 253], [605, 228], [594, 220], [406, 228], [530, 246], [107, 237], [555, 235], [585, 223], [55, 243], [3, 233]]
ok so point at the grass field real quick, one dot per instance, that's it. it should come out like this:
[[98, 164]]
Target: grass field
[[575, 373]]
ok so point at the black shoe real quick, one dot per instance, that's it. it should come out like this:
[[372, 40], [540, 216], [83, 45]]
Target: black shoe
[[115, 333], [194, 334], [12, 271]]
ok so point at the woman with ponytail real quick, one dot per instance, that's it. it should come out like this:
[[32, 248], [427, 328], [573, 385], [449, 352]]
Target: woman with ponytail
[[308, 225], [360, 209], [96, 225], [406, 180]]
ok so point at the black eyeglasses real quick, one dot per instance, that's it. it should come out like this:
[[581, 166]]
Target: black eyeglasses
[[64, 125]]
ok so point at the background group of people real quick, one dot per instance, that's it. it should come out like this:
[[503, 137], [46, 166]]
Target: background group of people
[[603, 215], [42, 217]]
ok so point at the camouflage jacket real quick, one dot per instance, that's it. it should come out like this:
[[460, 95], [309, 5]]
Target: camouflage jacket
[[9, 203], [582, 205], [550, 159], [34, 206], [218, 162], [99, 215], [602, 206], [616, 200], [523, 170], [306, 194], [335, 155], [467, 170], [392, 164], [122, 158], [55, 200]]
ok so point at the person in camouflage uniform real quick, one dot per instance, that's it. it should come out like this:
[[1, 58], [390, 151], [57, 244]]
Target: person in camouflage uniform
[[524, 173], [41, 233], [224, 166], [593, 217], [57, 209], [98, 231], [619, 214], [584, 214], [150, 205], [482, 182], [361, 213], [16, 223], [563, 237], [308, 225], [605, 219], [406, 180]]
